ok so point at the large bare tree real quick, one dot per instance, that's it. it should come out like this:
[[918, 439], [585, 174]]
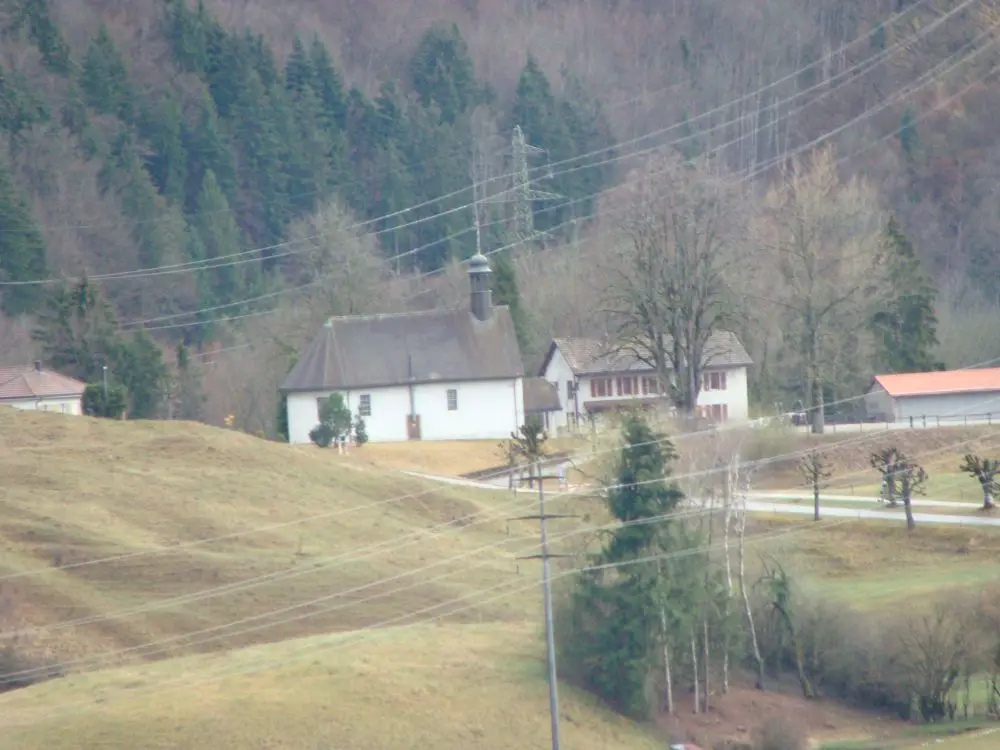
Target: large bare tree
[[822, 238], [670, 277]]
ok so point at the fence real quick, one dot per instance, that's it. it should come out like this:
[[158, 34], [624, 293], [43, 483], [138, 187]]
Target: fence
[[926, 421]]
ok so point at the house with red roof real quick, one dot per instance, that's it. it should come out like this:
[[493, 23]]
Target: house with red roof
[[941, 397], [34, 388]]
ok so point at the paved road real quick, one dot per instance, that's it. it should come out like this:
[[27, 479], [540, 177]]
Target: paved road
[[776, 502]]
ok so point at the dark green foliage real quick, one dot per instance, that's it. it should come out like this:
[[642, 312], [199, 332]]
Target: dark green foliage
[[20, 107], [79, 334], [22, 251], [189, 397], [334, 422], [505, 292], [112, 407], [616, 609], [360, 431], [43, 32], [906, 329], [162, 128], [104, 79], [140, 368], [187, 31], [298, 70], [909, 139], [207, 149], [218, 236], [74, 112], [442, 73], [329, 87], [281, 418]]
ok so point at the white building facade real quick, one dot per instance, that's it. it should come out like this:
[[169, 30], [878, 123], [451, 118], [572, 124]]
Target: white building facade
[[591, 379], [433, 375], [33, 388]]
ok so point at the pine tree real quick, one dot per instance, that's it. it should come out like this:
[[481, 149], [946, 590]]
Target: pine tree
[[906, 330], [125, 174], [162, 128], [20, 105], [22, 250], [43, 31], [329, 87], [298, 70], [190, 397], [78, 331], [74, 112], [139, 366], [617, 611], [207, 149], [218, 237], [104, 79], [310, 177], [188, 36], [442, 72], [505, 292]]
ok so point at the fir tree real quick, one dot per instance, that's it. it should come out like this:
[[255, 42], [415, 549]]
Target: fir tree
[[309, 178], [43, 31], [22, 251], [78, 331], [298, 70], [20, 106], [505, 292], [190, 397], [906, 330], [167, 164], [617, 611], [207, 149], [442, 72], [104, 79], [139, 366], [329, 87], [188, 36], [74, 112], [218, 237]]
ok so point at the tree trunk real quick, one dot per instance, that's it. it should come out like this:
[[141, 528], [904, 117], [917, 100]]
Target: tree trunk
[[800, 662], [987, 496], [726, 522], [668, 678], [816, 499], [815, 382], [910, 523], [758, 659], [694, 669], [706, 661]]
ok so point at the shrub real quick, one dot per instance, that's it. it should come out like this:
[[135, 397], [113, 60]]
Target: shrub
[[322, 435], [780, 733]]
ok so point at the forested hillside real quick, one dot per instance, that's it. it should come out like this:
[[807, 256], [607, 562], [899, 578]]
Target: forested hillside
[[227, 174]]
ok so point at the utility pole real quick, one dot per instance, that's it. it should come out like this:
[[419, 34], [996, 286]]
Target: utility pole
[[524, 194], [550, 638], [105, 367]]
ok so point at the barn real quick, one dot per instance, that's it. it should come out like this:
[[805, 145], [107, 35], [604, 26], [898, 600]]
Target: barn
[[944, 397]]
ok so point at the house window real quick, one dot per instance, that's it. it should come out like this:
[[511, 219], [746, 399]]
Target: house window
[[601, 387], [650, 386], [713, 381], [365, 405], [452, 399], [720, 412], [569, 391], [627, 387]]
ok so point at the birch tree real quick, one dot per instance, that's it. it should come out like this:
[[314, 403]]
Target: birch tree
[[822, 237], [671, 273]]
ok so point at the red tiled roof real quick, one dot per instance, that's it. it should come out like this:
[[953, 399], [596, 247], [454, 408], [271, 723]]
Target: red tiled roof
[[27, 382], [947, 381]]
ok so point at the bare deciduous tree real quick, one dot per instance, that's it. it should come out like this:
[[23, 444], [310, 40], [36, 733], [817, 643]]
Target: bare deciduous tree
[[671, 276], [984, 471], [823, 239], [814, 468]]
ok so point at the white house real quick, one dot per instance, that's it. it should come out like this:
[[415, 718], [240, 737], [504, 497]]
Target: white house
[[433, 375], [34, 388], [592, 378], [943, 396]]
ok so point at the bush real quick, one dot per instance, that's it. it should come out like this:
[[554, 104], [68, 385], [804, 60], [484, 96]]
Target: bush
[[780, 733], [21, 671], [322, 435]]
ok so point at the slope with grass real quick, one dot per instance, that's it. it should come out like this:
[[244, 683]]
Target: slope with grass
[[117, 534], [288, 522]]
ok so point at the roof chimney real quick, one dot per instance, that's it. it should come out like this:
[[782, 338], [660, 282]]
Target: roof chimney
[[481, 297], [38, 365]]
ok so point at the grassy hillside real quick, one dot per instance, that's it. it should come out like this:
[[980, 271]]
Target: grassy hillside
[[292, 524], [261, 616]]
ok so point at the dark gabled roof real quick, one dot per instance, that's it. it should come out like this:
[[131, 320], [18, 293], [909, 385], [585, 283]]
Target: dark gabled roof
[[540, 395], [365, 351], [587, 356]]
